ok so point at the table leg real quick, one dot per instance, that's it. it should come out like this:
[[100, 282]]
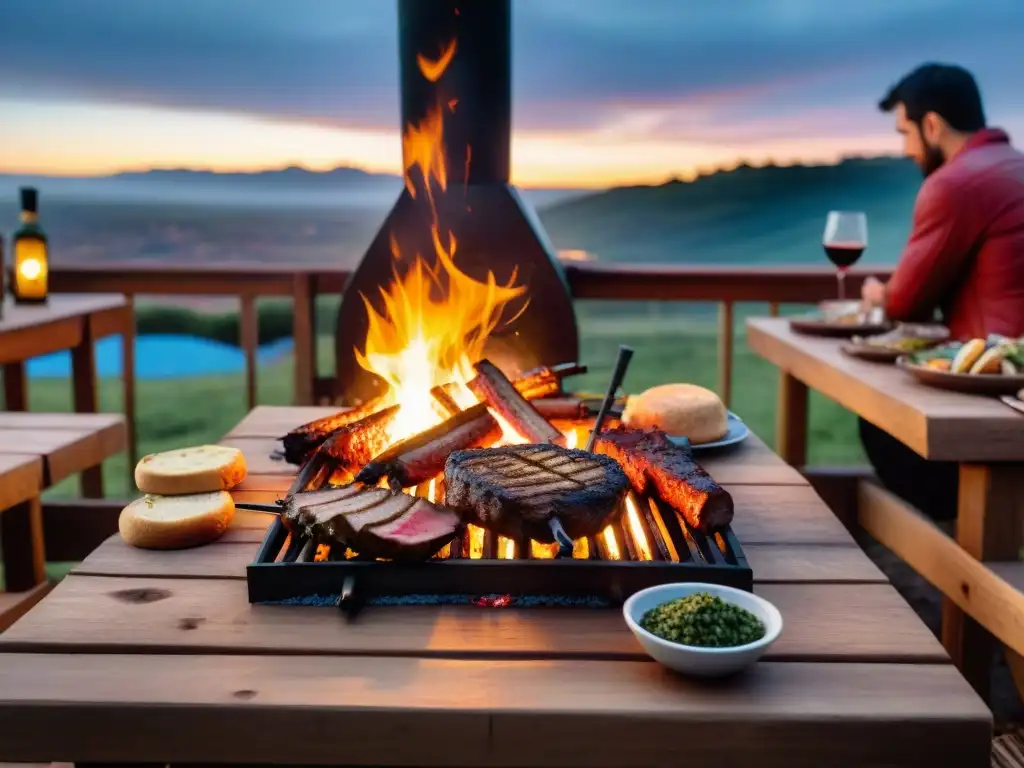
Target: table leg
[[791, 420], [128, 384], [83, 371], [21, 546], [15, 387], [990, 526]]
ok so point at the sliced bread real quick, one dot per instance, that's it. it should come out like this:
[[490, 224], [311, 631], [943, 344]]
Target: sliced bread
[[200, 469], [176, 522]]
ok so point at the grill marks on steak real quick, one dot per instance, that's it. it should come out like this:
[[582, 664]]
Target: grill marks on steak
[[375, 522], [651, 460], [516, 490]]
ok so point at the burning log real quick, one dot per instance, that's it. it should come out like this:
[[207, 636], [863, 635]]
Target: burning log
[[442, 393], [301, 442], [544, 381], [494, 388], [354, 446], [422, 456]]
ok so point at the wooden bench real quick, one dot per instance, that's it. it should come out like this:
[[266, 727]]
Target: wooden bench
[[990, 593], [38, 450], [21, 481]]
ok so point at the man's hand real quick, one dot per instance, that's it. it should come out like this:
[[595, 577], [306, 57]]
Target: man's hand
[[872, 293]]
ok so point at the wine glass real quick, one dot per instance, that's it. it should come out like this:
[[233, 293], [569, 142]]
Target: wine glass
[[846, 237]]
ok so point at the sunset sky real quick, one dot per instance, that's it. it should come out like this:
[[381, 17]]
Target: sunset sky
[[605, 91]]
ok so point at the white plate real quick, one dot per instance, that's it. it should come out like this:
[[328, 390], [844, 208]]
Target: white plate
[[737, 433]]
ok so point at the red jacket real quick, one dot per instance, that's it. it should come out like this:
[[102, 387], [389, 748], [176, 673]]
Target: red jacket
[[965, 255]]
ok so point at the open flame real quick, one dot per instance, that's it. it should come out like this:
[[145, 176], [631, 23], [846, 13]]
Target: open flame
[[435, 319]]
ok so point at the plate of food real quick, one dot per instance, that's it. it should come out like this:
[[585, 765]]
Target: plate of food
[[992, 366], [688, 414], [904, 339], [841, 319]]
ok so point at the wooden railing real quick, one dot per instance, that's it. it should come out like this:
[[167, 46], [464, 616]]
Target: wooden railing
[[588, 280]]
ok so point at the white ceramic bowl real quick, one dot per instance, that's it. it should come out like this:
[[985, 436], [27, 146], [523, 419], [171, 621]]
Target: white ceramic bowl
[[691, 659]]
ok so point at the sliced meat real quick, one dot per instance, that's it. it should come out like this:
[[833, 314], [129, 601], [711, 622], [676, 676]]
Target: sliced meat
[[409, 528], [516, 490], [417, 534], [653, 462], [422, 456], [296, 508]]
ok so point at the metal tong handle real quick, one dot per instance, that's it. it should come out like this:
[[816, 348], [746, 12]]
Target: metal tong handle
[[625, 355]]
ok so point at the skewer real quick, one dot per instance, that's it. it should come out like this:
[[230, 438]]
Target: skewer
[[270, 509], [625, 355], [564, 541]]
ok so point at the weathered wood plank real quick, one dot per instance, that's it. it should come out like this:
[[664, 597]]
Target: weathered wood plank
[[273, 709], [68, 450], [845, 622]]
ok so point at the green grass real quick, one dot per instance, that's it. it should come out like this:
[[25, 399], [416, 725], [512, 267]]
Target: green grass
[[176, 412]]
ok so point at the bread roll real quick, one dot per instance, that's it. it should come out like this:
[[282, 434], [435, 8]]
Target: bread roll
[[175, 522], [200, 469], [681, 410]]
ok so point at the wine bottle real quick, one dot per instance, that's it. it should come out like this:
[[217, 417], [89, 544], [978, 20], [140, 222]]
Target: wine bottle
[[29, 256]]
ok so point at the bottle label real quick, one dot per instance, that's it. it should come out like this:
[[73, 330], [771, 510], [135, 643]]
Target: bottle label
[[30, 269]]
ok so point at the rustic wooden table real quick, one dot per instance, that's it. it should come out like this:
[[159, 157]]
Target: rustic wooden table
[[69, 322], [149, 656], [980, 433]]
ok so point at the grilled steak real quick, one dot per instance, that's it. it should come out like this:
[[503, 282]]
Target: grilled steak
[[379, 523], [423, 455], [516, 490], [650, 459]]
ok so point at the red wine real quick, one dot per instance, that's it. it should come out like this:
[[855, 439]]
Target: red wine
[[843, 255]]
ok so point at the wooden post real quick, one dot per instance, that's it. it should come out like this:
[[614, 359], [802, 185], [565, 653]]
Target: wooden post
[[725, 339], [304, 335], [128, 386], [990, 517], [22, 547], [15, 387], [83, 372], [791, 421], [249, 332]]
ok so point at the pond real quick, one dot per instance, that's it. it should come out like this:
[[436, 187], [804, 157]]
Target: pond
[[162, 357]]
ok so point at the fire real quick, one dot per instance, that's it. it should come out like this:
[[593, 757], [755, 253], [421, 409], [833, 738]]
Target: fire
[[435, 319]]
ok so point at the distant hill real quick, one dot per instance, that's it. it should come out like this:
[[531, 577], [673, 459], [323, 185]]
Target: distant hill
[[747, 215], [285, 188]]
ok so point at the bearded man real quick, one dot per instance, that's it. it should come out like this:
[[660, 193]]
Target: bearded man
[[964, 260]]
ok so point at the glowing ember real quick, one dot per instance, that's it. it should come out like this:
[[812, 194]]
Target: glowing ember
[[636, 529], [495, 601], [435, 320], [611, 545], [506, 548]]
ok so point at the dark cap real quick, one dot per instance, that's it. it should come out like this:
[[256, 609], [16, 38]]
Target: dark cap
[[30, 199]]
